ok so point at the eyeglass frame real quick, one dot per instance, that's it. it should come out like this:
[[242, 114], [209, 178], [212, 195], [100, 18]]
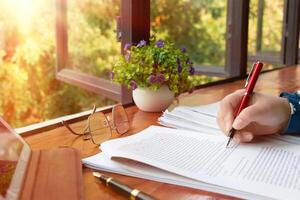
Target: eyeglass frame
[[88, 133]]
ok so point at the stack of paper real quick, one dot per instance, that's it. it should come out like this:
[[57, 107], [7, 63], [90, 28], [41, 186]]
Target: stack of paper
[[198, 118], [203, 119], [269, 169]]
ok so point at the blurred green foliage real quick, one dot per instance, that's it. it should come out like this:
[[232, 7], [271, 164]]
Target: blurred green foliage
[[29, 91], [199, 25], [92, 43], [272, 21]]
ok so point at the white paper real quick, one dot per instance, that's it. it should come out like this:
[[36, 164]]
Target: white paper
[[269, 168], [137, 169], [203, 119], [186, 115]]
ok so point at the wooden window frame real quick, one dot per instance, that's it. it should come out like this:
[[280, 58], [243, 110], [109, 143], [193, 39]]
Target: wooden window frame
[[134, 25], [269, 57], [134, 28], [290, 36], [237, 38], [290, 42], [236, 43]]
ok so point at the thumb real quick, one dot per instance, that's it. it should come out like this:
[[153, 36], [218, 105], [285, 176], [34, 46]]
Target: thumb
[[248, 115]]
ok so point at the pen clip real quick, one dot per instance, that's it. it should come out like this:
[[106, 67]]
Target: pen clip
[[250, 74]]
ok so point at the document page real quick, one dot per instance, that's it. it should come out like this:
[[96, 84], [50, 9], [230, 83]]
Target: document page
[[203, 119], [140, 170], [268, 167]]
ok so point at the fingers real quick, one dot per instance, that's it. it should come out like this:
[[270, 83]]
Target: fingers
[[227, 109], [248, 115], [243, 120], [241, 137]]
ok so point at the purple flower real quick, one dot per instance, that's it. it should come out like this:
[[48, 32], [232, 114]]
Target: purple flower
[[141, 43], [188, 62], [127, 46], [127, 57], [192, 70], [179, 68], [160, 78], [152, 79], [133, 84], [111, 75], [183, 49], [155, 65], [160, 44]]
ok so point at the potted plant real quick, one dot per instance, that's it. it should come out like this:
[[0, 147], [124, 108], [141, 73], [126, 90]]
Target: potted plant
[[156, 71]]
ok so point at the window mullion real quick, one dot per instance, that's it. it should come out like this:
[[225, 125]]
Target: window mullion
[[237, 36], [291, 32], [135, 21]]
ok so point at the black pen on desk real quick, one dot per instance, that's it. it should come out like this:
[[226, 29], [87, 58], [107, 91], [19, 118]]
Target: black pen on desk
[[122, 188], [249, 87]]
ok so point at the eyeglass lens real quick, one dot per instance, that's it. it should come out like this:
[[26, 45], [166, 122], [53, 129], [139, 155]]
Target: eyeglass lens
[[120, 119], [99, 128]]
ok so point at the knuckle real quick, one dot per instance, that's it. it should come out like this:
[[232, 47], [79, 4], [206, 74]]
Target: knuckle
[[224, 102]]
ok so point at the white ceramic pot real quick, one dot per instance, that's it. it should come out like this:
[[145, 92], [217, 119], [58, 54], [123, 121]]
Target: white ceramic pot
[[153, 101]]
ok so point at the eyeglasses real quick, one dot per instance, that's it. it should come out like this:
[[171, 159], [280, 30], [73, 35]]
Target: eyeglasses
[[99, 128]]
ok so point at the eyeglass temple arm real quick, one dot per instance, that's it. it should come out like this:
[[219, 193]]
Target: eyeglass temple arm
[[94, 109], [71, 130], [85, 129]]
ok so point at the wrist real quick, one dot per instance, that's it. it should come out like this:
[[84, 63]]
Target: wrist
[[293, 127], [287, 112]]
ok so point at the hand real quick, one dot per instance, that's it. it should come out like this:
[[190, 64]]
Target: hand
[[264, 115]]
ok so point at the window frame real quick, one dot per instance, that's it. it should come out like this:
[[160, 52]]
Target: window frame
[[236, 43], [135, 25], [290, 37], [236, 67]]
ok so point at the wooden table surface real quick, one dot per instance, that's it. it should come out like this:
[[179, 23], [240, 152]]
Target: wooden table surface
[[274, 82]]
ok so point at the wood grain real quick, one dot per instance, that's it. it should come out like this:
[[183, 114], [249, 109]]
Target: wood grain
[[274, 82]]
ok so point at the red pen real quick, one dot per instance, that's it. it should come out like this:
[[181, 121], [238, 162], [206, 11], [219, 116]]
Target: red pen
[[249, 86]]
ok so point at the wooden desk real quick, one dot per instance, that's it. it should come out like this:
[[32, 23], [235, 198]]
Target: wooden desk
[[287, 79]]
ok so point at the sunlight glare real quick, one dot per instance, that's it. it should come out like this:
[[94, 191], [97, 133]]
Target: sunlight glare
[[24, 10]]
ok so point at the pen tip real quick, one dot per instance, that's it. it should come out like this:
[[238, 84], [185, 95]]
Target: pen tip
[[97, 174], [228, 143]]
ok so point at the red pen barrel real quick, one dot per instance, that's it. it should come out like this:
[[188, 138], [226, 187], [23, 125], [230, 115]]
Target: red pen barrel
[[254, 76], [249, 87], [243, 104], [250, 83]]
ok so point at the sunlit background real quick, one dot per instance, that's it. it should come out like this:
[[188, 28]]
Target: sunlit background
[[29, 91]]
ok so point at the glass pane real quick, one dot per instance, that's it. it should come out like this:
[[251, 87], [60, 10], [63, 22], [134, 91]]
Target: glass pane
[[30, 92], [92, 42], [265, 31], [198, 25]]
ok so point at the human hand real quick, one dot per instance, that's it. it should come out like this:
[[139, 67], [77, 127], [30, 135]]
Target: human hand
[[264, 115]]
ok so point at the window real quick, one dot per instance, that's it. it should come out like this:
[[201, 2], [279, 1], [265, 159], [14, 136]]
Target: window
[[199, 26], [273, 26], [265, 32], [212, 52], [87, 47], [30, 92], [209, 29], [72, 62], [291, 31], [80, 38]]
